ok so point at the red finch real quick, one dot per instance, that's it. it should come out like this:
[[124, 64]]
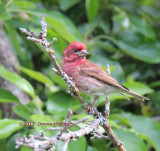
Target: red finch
[[88, 77]]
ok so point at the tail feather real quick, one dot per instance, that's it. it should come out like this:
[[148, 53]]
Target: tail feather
[[136, 95], [124, 96]]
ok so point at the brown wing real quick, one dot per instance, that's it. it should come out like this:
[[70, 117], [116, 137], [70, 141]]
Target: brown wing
[[90, 69]]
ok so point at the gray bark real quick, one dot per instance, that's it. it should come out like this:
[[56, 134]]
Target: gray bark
[[9, 61]]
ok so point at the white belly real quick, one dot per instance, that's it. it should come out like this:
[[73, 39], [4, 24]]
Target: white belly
[[94, 87]]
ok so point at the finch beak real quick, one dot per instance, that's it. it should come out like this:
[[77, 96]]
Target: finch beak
[[83, 53]]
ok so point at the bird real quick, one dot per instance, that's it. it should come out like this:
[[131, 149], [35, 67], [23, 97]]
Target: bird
[[89, 77]]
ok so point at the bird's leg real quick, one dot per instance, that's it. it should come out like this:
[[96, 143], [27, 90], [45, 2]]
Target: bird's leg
[[96, 97], [89, 108]]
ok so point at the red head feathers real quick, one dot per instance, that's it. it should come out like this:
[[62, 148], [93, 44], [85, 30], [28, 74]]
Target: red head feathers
[[74, 52]]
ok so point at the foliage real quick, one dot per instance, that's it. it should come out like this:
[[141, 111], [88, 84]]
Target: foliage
[[124, 34]]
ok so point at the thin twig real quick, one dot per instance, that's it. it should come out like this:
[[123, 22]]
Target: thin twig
[[65, 145], [97, 134], [82, 120], [107, 127], [107, 103]]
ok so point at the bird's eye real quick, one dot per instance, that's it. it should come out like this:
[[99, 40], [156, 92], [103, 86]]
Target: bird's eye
[[75, 50]]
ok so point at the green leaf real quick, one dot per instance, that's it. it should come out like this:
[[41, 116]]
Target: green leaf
[[87, 29], [120, 22], [123, 120], [148, 128], [3, 144], [23, 4], [7, 96], [156, 100], [142, 27], [60, 44], [99, 144], [10, 146], [151, 11], [25, 148], [145, 127], [8, 127], [64, 27], [104, 45], [155, 84], [131, 141], [4, 14], [37, 75], [22, 111], [90, 148], [138, 87], [60, 23], [57, 79], [17, 80], [59, 103], [41, 123], [136, 46], [79, 144], [92, 7], [65, 5], [112, 68], [13, 37]]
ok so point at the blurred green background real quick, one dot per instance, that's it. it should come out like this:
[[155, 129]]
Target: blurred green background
[[122, 33]]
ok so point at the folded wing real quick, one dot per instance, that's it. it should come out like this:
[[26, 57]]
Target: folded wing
[[90, 69]]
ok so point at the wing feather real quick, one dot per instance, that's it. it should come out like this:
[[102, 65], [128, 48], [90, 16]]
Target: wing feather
[[90, 69]]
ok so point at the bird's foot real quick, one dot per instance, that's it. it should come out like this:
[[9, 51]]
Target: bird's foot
[[90, 107], [72, 91]]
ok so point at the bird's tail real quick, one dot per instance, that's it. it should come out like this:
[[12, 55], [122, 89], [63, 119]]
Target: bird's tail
[[136, 95]]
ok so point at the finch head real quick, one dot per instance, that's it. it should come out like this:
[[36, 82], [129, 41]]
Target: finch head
[[75, 51]]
